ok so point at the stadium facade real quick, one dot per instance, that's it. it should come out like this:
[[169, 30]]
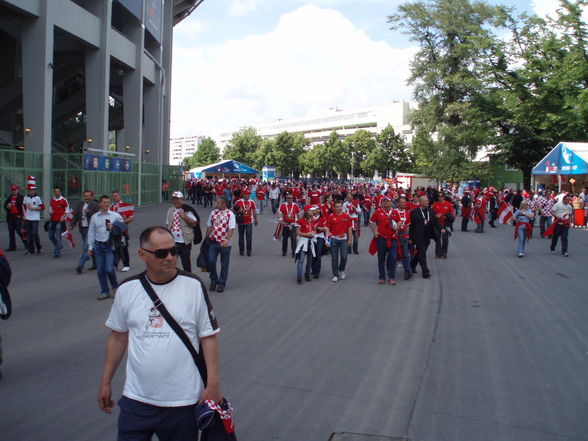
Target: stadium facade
[[85, 94]]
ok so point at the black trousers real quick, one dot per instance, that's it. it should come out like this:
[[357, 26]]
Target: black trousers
[[122, 252], [245, 234], [184, 251], [288, 233], [14, 228], [420, 257], [442, 245], [464, 223]]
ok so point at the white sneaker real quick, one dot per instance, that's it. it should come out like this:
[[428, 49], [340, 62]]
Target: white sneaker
[[335, 279], [342, 275], [125, 269]]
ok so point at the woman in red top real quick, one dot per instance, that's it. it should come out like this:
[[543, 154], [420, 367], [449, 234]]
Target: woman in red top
[[444, 212], [305, 245]]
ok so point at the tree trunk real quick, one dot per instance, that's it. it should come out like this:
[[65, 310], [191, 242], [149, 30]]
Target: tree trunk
[[526, 177]]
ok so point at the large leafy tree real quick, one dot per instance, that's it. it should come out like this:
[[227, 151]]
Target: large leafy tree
[[337, 154], [389, 155], [207, 153], [360, 144], [243, 145], [452, 35], [288, 148]]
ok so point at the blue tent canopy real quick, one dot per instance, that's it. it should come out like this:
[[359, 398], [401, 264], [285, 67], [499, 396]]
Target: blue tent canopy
[[227, 166], [566, 158]]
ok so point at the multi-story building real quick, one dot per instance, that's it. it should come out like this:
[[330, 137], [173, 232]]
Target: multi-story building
[[87, 77], [181, 148], [344, 122]]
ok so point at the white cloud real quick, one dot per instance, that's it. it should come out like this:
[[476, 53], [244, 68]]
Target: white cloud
[[545, 8], [313, 59], [242, 7]]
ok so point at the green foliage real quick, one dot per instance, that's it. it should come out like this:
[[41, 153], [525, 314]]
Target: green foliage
[[389, 155], [360, 145], [288, 148], [336, 155], [243, 145], [207, 153]]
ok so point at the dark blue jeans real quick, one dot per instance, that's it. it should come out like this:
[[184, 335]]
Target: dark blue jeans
[[225, 253], [32, 232], [338, 247], [405, 256], [245, 234], [140, 421], [85, 257], [317, 260], [560, 231], [55, 236], [387, 258], [105, 266]]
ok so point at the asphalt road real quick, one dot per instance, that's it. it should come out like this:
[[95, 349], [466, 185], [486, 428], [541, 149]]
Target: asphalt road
[[492, 347]]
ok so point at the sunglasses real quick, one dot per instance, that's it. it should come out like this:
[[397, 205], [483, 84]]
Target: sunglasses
[[162, 253]]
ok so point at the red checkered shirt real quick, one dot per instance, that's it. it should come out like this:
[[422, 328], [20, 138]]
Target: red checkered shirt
[[220, 223]]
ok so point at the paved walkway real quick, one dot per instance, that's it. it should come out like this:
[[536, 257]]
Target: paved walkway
[[492, 347]]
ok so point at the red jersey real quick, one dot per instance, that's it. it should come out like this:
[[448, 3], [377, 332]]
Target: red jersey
[[326, 209], [315, 197], [338, 225], [367, 202], [13, 207], [305, 226], [260, 194], [296, 192], [383, 221], [442, 208], [377, 199], [219, 189], [402, 218], [58, 206], [124, 209], [289, 212], [246, 208]]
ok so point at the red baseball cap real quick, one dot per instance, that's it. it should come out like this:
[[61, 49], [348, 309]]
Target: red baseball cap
[[13, 187]]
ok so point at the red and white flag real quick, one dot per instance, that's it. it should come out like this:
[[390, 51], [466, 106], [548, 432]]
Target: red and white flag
[[66, 235], [504, 213]]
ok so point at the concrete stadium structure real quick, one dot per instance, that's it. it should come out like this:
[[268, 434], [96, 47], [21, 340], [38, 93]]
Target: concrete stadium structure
[[86, 77]]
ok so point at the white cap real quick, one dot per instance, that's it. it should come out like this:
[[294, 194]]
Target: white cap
[[177, 194]]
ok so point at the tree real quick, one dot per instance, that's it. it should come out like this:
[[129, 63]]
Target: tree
[[389, 155], [452, 35], [315, 162], [337, 156], [243, 145], [207, 153], [359, 144]]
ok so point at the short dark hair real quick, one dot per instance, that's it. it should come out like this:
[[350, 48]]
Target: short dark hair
[[56, 187], [103, 197], [146, 234], [222, 198], [116, 191], [338, 201]]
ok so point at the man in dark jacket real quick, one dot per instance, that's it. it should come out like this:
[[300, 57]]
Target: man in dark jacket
[[424, 226], [5, 305], [14, 214], [81, 218]]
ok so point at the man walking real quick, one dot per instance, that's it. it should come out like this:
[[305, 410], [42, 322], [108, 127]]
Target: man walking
[[33, 206], [81, 217], [248, 218], [58, 206], [181, 220], [383, 228], [352, 209], [163, 383], [100, 232], [220, 229], [424, 226], [14, 214], [444, 213], [339, 227], [288, 215], [127, 212], [562, 214]]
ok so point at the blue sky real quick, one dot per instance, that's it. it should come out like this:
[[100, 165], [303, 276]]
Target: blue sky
[[247, 62]]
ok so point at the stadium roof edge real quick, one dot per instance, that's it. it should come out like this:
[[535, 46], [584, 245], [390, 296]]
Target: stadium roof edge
[[183, 8]]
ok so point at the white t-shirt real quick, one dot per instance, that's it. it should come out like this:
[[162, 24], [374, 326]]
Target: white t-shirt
[[160, 370], [35, 201], [562, 211], [177, 232]]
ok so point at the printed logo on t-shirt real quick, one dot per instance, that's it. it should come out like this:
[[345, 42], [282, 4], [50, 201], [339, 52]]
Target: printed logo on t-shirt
[[154, 325]]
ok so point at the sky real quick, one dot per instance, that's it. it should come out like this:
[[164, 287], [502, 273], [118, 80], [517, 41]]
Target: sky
[[247, 62]]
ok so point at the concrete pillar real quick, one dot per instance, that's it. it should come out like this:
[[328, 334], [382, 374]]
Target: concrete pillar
[[98, 83], [37, 86], [152, 126], [166, 62]]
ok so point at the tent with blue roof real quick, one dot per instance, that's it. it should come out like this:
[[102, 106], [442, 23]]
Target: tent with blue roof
[[225, 168], [567, 160]]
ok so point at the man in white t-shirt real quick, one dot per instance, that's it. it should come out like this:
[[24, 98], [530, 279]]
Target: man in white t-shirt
[[162, 383], [562, 215], [181, 220]]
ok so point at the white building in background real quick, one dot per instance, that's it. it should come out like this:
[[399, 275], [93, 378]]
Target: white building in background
[[344, 122], [181, 148]]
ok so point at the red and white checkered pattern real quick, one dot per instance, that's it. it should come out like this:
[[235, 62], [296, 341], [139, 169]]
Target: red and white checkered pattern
[[220, 225], [176, 225]]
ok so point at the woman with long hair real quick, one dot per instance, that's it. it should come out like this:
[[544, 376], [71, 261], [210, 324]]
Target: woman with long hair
[[305, 244]]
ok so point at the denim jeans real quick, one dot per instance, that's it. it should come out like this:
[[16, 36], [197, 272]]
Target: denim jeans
[[274, 205], [317, 259], [105, 265], [300, 264], [338, 247], [522, 239], [32, 232], [544, 223], [562, 231], [55, 236], [387, 258], [225, 252], [84, 257], [354, 243], [405, 256], [245, 232], [260, 206]]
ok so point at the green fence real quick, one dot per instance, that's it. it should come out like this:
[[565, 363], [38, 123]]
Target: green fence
[[68, 173]]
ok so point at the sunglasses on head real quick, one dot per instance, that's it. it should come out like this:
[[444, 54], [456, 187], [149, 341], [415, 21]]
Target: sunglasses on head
[[163, 252]]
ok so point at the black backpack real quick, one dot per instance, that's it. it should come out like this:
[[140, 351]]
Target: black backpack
[[5, 275], [197, 230]]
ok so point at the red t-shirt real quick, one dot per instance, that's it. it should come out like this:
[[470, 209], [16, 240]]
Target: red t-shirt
[[377, 199], [219, 189], [442, 208], [13, 208], [367, 202], [338, 224], [402, 216], [289, 212], [247, 208], [58, 206], [305, 227], [315, 197], [260, 194], [382, 219]]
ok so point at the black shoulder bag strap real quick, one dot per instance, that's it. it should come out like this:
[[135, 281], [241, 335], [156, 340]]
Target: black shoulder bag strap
[[197, 356]]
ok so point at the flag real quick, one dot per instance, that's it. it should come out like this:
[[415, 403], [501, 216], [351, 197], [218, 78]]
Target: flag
[[278, 231], [68, 237], [504, 213]]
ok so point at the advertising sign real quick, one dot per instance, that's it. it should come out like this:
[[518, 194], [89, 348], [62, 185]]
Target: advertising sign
[[105, 163], [268, 173], [154, 18]]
